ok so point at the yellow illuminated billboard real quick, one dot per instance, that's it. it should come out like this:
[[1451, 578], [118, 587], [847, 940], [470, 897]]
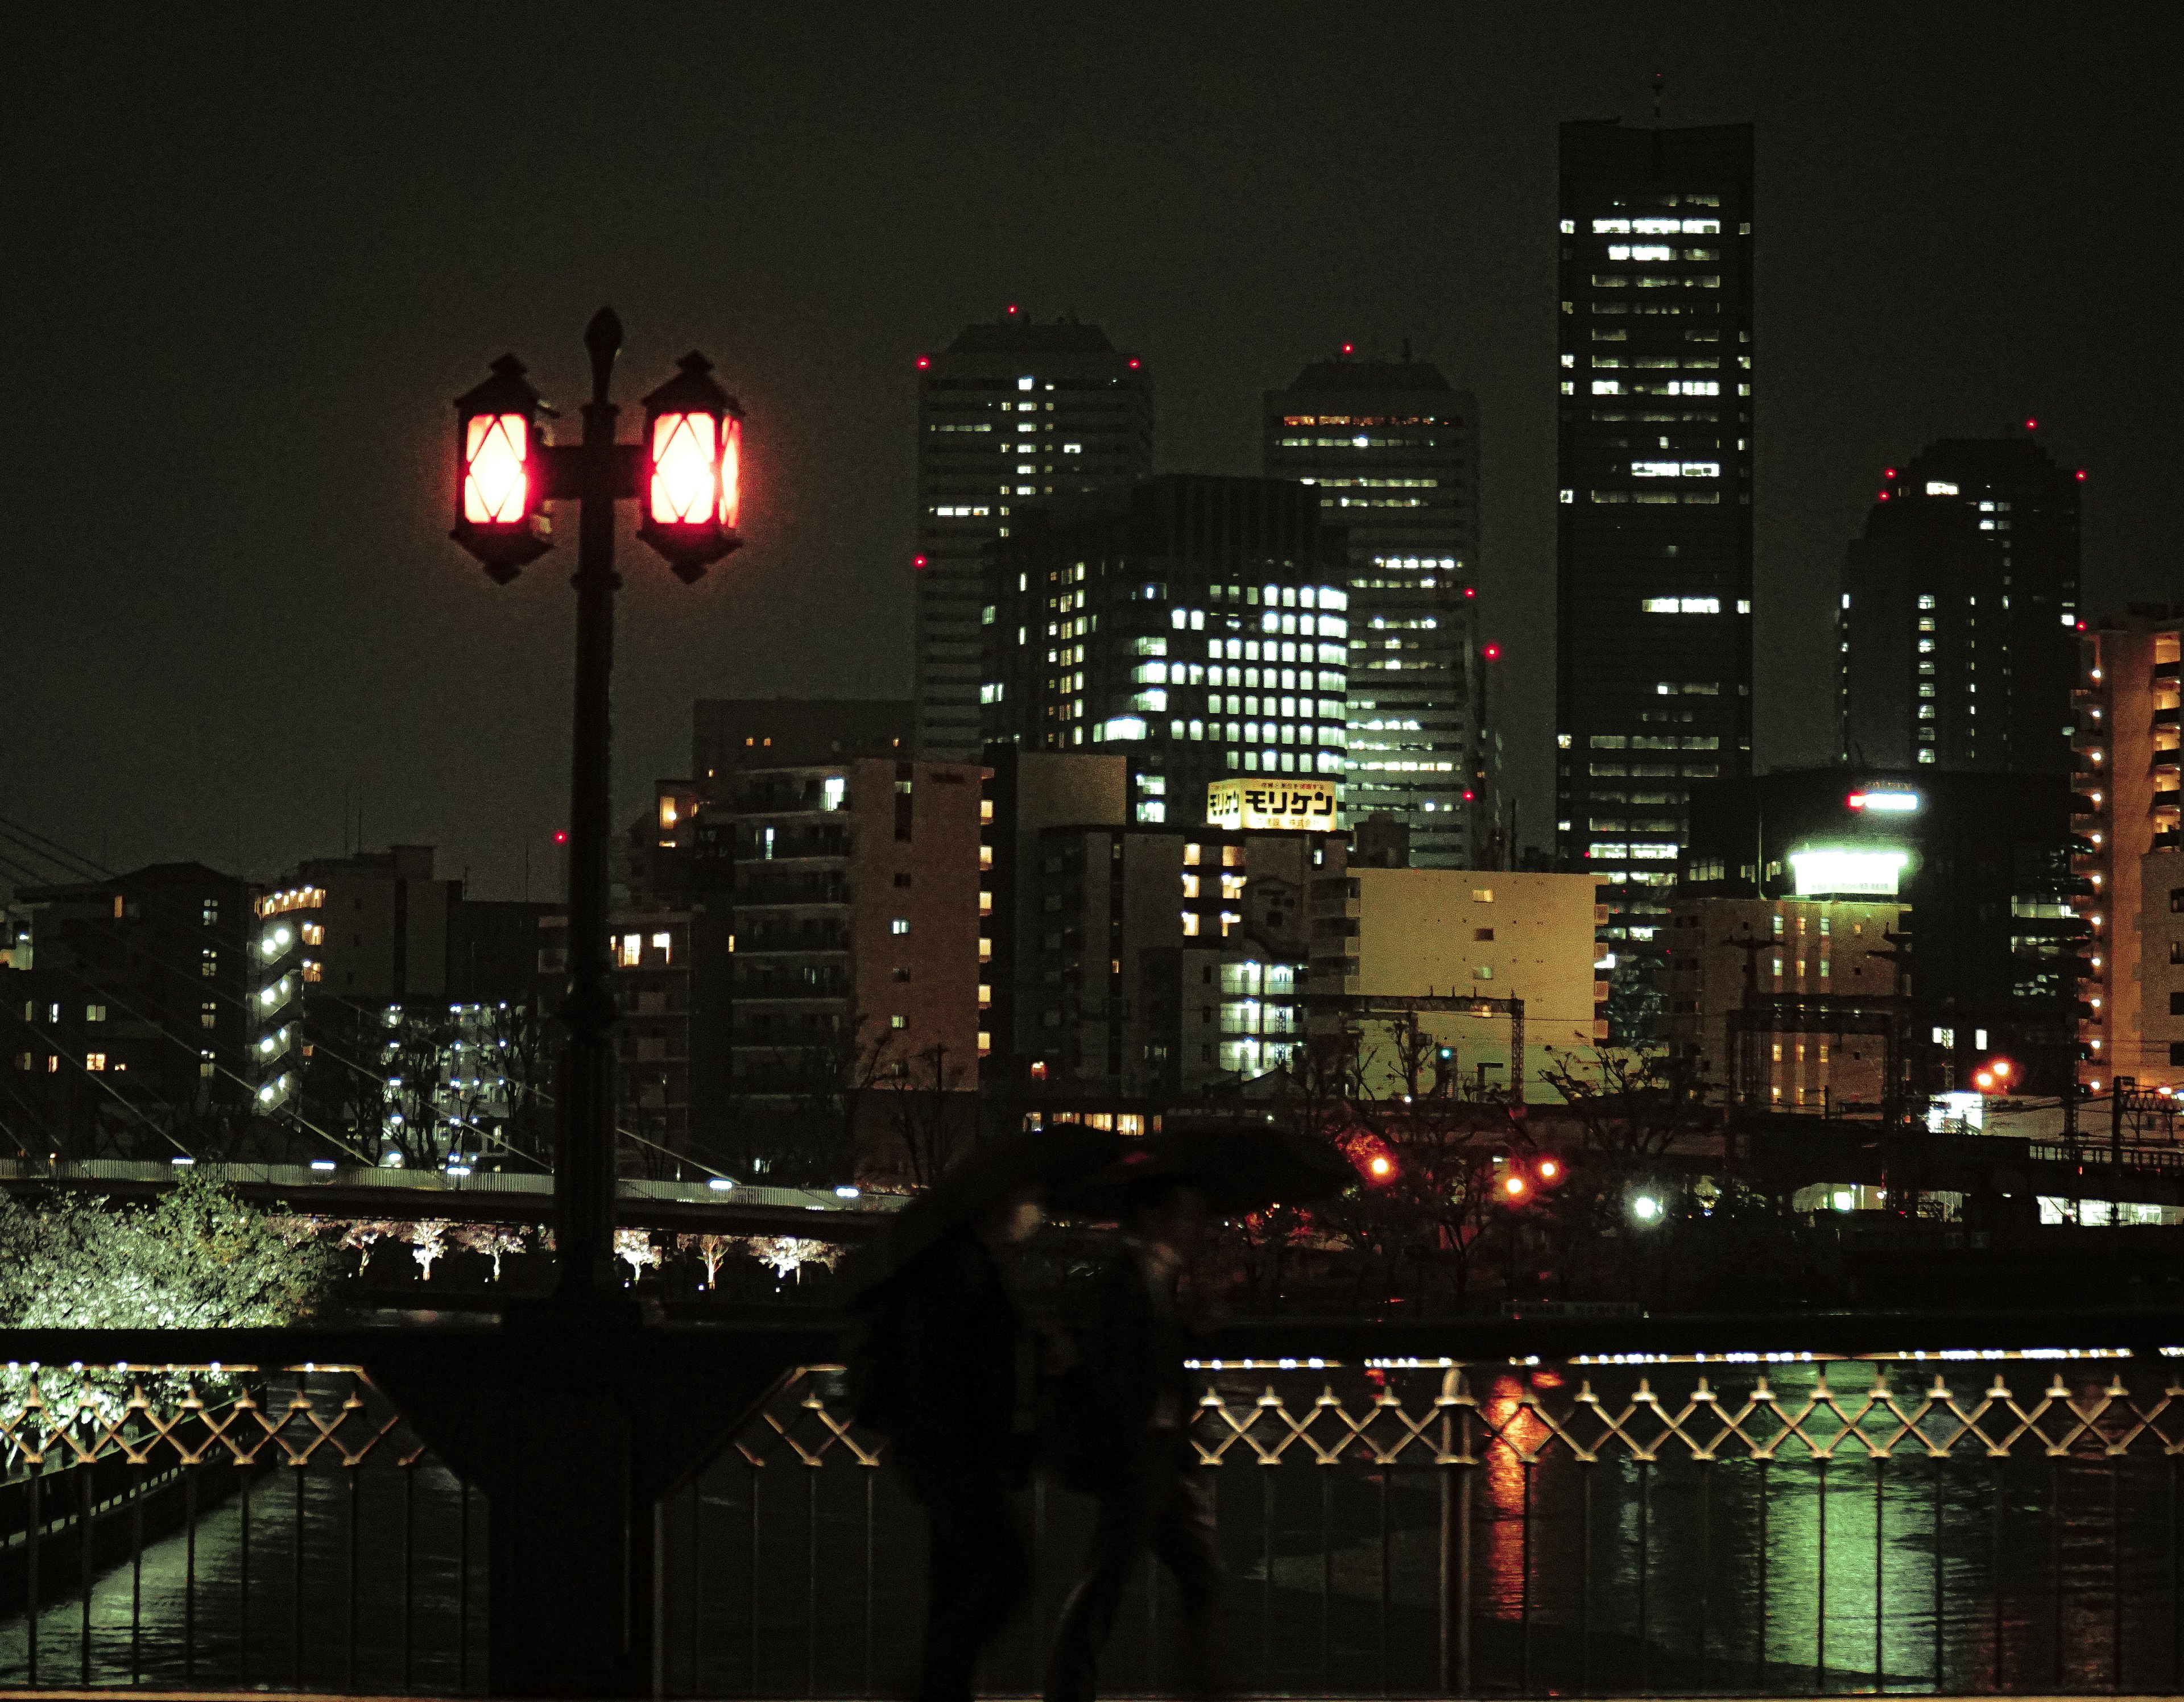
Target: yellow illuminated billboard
[[1275, 805]]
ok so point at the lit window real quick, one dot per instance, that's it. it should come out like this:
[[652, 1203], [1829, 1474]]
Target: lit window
[[900, 925], [1190, 924], [94, 1013], [898, 1021], [1939, 487], [94, 1060]]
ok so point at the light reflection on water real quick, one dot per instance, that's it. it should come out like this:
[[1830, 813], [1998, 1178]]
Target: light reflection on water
[[1739, 1576]]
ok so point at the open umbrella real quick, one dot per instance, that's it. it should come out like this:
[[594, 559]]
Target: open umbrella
[[982, 1178], [1239, 1167]]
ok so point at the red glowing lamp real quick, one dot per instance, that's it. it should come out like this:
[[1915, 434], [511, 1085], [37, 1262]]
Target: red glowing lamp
[[924, 361], [691, 469], [560, 835], [1492, 653], [1380, 1167], [918, 562], [1514, 1188], [1550, 1170], [499, 505]]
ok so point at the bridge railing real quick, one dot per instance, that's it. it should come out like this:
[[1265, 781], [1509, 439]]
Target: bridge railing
[[1602, 1507]]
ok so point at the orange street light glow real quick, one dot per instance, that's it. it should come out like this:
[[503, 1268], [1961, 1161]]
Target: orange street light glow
[[1549, 1169], [1379, 1165], [1514, 1186]]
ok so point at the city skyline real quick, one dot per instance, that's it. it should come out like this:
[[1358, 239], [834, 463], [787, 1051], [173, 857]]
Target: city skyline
[[302, 384]]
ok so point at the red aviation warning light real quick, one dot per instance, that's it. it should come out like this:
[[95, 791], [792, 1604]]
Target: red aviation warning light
[[560, 835]]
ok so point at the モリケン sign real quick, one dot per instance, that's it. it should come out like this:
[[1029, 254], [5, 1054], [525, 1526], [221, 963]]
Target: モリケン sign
[[1275, 805]]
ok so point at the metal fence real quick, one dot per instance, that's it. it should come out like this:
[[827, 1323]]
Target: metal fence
[[192, 1526], [1724, 1524], [1407, 1527]]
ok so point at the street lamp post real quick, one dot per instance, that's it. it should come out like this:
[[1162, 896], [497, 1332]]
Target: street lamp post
[[685, 473]]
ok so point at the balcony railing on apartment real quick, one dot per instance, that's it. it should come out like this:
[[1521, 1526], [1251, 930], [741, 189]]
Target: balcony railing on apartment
[[1594, 1507]]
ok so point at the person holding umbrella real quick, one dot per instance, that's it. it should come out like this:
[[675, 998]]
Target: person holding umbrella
[[1121, 1430], [948, 1368]]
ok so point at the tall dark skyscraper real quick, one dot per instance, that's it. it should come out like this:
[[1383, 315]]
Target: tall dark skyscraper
[[1393, 452], [1010, 415], [1653, 688], [1957, 632], [1196, 625]]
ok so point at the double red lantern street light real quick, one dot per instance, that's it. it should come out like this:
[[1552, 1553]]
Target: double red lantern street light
[[685, 473]]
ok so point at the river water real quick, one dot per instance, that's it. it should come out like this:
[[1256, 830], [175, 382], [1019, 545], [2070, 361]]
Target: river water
[[2025, 1573]]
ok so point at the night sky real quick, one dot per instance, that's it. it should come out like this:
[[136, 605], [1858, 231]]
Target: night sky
[[253, 256]]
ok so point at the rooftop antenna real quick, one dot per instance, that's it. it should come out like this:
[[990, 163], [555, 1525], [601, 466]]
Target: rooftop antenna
[[1658, 77]]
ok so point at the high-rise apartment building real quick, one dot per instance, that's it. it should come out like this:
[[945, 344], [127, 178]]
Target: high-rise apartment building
[[1198, 625], [1010, 415], [1654, 684], [1393, 452], [1957, 633], [2128, 851]]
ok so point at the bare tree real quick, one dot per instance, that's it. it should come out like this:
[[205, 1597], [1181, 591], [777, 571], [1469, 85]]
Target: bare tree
[[928, 1113]]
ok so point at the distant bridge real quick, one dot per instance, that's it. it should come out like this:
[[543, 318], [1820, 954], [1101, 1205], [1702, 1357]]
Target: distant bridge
[[483, 1197]]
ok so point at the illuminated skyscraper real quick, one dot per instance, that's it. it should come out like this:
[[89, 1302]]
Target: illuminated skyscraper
[[1010, 415], [1653, 687], [1393, 452]]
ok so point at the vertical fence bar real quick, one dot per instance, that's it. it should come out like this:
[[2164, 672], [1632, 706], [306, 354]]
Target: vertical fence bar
[[296, 1575], [1994, 1561], [1387, 1577], [1445, 1593], [2115, 1572], [1326, 1578], [1266, 1579], [1940, 1597], [1645, 1566], [354, 1483], [2175, 1578], [1524, 1588], [2055, 1566], [34, 1527], [189, 1574], [658, 1629], [812, 1581], [409, 1575], [86, 1512], [1879, 1553], [750, 1640], [137, 1574], [1759, 1626], [1464, 1558], [1706, 1560], [1821, 1589], [1586, 1472], [871, 1572], [243, 1571]]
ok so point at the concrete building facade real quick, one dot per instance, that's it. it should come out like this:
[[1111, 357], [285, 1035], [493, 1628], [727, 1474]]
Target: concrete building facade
[[2128, 847], [1787, 1003], [1483, 936]]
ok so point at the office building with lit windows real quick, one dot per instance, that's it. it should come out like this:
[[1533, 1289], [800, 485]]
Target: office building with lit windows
[[2128, 848], [1198, 625], [1957, 636], [1653, 686], [1009, 416], [1393, 452]]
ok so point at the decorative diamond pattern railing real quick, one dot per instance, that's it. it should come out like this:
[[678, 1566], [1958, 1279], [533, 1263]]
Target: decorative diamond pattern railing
[[1852, 1410]]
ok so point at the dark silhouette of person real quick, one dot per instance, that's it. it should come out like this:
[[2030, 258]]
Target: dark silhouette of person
[[959, 1367], [1120, 1432]]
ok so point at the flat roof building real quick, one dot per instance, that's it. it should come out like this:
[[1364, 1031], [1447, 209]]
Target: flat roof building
[[1653, 680], [1956, 636], [1392, 451], [1197, 625], [1010, 415], [2128, 847]]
